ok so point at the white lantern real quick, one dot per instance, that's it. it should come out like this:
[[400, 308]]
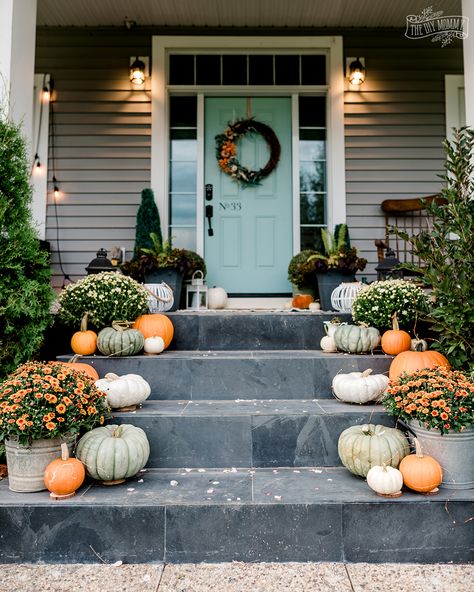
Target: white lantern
[[196, 292], [344, 295], [161, 297]]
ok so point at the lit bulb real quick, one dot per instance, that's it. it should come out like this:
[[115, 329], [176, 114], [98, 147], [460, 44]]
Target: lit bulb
[[46, 94], [56, 192]]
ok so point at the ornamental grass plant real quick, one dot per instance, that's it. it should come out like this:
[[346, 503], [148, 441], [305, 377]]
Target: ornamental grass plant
[[376, 303], [106, 297], [438, 398], [49, 400]]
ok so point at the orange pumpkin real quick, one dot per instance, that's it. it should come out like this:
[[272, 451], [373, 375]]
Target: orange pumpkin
[[86, 368], [155, 325], [64, 475], [395, 341], [421, 472], [410, 361], [84, 342], [302, 301]]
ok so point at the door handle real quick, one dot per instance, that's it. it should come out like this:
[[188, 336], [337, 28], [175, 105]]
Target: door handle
[[209, 216]]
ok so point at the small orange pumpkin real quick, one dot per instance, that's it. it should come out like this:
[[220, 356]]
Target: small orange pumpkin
[[410, 361], [421, 472], [63, 476], [395, 341], [302, 301], [155, 325], [84, 342]]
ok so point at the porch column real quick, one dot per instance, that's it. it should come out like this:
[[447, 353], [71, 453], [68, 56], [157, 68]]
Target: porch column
[[17, 68], [468, 50]]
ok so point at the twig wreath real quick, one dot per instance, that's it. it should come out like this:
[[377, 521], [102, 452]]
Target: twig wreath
[[226, 151]]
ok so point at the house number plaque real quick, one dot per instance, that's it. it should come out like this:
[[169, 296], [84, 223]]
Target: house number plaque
[[230, 206]]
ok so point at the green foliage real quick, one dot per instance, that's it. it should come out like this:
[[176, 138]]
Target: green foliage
[[148, 223], [447, 249], [106, 297], [25, 292], [301, 269]]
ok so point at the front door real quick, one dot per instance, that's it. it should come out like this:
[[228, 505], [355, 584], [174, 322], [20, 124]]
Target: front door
[[251, 244]]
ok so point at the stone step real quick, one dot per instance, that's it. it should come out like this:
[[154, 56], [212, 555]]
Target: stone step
[[255, 330], [247, 433], [214, 515], [191, 375]]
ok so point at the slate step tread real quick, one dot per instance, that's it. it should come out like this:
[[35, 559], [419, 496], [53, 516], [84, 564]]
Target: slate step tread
[[231, 486], [248, 407]]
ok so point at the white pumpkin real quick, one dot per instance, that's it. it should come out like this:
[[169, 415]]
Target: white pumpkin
[[385, 480], [359, 387], [154, 345], [216, 298], [124, 391], [327, 344]]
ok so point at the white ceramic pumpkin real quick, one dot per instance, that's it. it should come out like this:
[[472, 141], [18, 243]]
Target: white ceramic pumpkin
[[327, 344], [216, 298], [154, 345], [124, 391], [359, 387], [385, 480]]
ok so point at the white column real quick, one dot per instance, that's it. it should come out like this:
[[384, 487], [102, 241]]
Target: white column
[[468, 50], [17, 95]]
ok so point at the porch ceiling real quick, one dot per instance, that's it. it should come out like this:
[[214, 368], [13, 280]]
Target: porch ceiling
[[229, 13]]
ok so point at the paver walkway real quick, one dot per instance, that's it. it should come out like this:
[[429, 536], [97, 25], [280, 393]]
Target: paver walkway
[[238, 577]]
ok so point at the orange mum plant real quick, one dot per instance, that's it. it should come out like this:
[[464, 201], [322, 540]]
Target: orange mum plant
[[438, 398], [49, 400]]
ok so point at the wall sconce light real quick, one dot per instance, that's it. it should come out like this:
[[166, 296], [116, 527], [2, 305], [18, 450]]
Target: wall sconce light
[[138, 70], [355, 70]]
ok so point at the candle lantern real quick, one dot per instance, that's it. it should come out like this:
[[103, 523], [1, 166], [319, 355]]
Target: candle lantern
[[196, 292]]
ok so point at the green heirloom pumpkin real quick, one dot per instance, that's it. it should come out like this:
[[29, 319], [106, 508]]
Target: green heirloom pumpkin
[[362, 447], [120, 340], [356, 339], [113, 452]]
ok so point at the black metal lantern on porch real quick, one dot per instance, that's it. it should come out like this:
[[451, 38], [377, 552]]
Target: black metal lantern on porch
[[100, 263], [387, 268]]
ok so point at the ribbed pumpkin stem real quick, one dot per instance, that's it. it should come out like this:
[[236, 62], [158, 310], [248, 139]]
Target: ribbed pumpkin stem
[[64, 451], [121, 325], [366, 373], [418, 449], [395, 325], [84, 322], [118, 432]]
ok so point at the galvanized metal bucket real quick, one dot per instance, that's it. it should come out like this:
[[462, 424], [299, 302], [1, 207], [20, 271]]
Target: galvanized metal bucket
[[26, 464], [454, 451]]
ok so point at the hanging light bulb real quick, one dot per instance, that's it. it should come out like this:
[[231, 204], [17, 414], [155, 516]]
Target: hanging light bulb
[[137, 72], [46, 94], [56, 191], [37, 161]]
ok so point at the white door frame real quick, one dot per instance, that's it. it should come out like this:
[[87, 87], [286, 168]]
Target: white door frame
[[162, 46], [454, 102]]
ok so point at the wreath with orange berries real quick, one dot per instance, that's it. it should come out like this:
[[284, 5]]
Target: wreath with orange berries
[[226, 151]]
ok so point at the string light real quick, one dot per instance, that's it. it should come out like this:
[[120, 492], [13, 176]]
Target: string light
[[37, 161], [56, 191], [46, 94]]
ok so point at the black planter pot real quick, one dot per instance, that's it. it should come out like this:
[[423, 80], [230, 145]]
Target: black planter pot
[[329, 281], [170, 276]]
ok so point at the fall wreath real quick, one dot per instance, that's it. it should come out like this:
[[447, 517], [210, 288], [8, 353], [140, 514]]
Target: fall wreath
[[226, 151]]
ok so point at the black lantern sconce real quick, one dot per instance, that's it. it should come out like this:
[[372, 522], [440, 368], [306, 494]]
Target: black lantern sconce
[[100, 263], [387, 268], [138, 71], [355, 70]]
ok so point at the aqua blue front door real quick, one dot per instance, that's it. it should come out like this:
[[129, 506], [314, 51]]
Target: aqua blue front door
[[251, 245]]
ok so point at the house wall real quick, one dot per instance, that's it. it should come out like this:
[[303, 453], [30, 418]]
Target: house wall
[[394, 127]]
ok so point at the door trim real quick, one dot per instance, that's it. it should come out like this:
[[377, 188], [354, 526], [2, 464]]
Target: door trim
[[331, 45]]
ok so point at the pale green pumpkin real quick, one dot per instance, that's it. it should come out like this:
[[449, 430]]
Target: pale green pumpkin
[[113, 452], [120, 340], [364, 446], [356, 339]]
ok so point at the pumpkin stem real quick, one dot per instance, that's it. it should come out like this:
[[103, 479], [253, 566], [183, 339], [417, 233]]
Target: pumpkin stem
[[121, 326], [64, 451], [419, 347], [111, 376], [118, 432], [395, 325], [84, 322], [365, 373], [418, 450], [74, 358]]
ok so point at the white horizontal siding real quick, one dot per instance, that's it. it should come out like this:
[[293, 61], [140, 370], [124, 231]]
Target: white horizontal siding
[[394, 127]]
